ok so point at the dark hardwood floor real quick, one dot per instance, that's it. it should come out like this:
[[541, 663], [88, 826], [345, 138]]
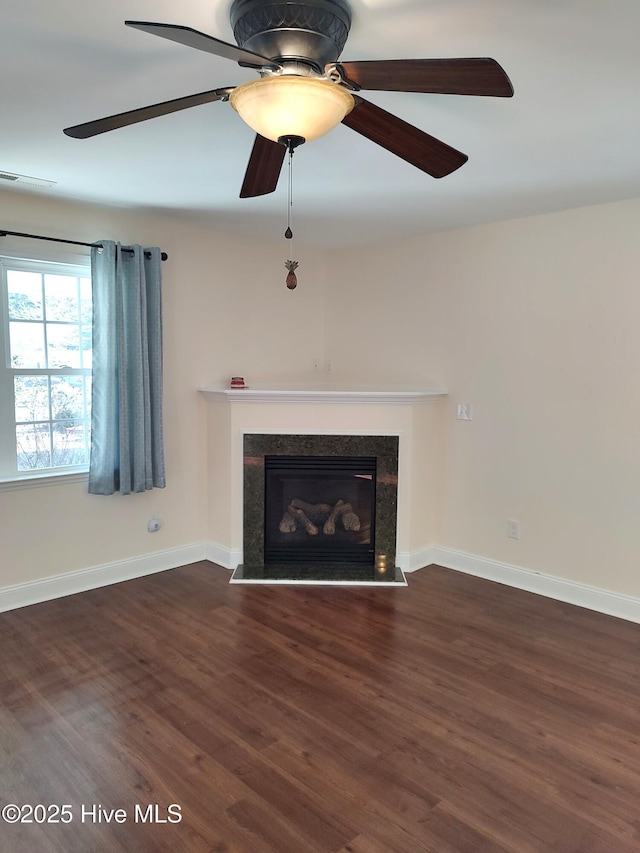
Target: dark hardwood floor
[[453, 715]]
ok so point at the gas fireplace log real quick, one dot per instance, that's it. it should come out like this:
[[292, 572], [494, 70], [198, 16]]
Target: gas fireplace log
[[311, 516], [288, 524], [344, 512], [330, 524], [317, 513], [350, 520], [311, 529]]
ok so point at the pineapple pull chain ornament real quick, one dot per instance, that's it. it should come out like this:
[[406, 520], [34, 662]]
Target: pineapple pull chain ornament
[[291, 142], [292, 281]]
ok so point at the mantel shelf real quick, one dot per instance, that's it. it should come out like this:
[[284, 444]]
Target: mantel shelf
[[293, 394]]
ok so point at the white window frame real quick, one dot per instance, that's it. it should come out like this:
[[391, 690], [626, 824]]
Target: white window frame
[[10, 476]]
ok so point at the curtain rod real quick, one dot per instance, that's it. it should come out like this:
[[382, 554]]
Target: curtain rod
[[4, 233]]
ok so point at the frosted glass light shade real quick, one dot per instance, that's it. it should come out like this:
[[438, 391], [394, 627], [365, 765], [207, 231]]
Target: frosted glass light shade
[[291, 106]]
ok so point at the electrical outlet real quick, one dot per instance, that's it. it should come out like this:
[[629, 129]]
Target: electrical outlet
[[154, 525], [513, 529], [464, 411]]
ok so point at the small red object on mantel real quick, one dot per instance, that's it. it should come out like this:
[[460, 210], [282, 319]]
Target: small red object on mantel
[[237, 382]]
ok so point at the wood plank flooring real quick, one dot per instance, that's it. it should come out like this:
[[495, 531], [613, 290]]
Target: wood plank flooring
[[452, 716]]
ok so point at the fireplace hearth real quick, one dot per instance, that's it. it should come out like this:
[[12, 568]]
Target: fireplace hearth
[[320, 509]]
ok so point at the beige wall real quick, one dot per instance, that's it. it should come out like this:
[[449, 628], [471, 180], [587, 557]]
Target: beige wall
[[535, 322], [217, 294]]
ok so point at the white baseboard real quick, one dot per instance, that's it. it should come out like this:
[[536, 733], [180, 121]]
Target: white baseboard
[[228, 558], [411, 561], [69, 583], [593, 598]]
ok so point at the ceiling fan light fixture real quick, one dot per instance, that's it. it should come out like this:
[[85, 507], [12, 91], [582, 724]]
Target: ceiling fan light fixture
[[291, 106]]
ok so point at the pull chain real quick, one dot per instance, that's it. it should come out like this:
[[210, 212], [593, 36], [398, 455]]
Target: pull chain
[[289, 233], [291, 142]]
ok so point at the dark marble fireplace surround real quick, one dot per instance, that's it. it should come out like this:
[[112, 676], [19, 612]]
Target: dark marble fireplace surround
[[384, 448]]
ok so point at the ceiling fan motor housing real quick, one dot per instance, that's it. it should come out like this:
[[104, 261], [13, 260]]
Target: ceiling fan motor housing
[[309, 31]]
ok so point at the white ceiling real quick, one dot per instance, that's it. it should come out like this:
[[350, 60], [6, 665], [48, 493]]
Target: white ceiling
[[569, 137]]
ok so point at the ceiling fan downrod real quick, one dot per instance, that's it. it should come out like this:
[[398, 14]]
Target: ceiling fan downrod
[[312, 31]]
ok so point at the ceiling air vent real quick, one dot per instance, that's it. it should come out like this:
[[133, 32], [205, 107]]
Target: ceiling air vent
[[25, 180]]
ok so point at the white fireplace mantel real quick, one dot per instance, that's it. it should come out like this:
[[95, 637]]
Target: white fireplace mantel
[[414, 415], [321, 394]]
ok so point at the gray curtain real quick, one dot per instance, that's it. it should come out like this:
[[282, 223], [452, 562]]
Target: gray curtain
[[127, 446]]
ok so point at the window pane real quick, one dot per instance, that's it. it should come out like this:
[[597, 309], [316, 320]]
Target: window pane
[[86, 344], [33, 444], [69, 447], [49, 327], [67, 398], [25, 295], [63, 345], [85, 300], [61, 297], [27, 345], [32, 398]]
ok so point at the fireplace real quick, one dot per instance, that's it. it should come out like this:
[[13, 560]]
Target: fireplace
[[403, 429], [320, 507]]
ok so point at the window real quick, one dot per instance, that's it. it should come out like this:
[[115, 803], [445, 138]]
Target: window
[[45, 380]]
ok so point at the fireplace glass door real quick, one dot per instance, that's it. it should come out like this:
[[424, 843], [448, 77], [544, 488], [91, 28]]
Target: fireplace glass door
[[320, 509]]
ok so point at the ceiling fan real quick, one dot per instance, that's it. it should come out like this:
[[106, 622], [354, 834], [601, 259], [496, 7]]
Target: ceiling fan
[[303, 91]]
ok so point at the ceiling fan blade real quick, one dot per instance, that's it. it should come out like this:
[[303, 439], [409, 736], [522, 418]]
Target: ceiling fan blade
[[263, 170], [440, 76], [102, 125], [404, 140], [201, 41]]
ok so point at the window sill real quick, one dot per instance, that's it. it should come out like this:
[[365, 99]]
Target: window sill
[[41, 480]]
